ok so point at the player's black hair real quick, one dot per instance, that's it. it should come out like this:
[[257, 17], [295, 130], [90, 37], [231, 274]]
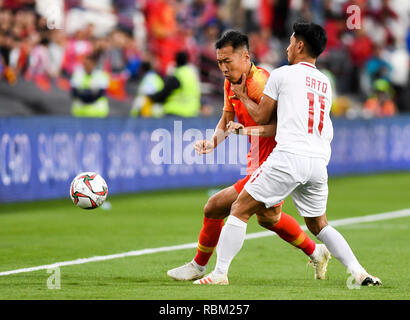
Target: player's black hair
[[233, 38], [181, 58], [313, 36]]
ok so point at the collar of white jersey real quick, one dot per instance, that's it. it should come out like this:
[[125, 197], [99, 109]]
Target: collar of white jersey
[[307, 64]]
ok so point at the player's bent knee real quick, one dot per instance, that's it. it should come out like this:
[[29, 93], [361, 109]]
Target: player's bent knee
[[316, 224], [269, 217], [265, 223], [236, 210], [213, 210], [241, 210]]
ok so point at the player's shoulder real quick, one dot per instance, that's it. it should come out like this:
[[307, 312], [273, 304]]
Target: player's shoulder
[[261, 71], [278, 74], [259, 77], [281, 70], [323, 75]]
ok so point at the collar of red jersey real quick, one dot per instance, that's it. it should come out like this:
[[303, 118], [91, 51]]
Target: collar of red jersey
[[253, 69], [307, 64]]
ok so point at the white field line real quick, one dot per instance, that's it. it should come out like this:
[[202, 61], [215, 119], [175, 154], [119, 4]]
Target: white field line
[[335, 223]]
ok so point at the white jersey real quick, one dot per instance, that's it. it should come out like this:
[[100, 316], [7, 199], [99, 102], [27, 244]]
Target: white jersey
[[304, 97]]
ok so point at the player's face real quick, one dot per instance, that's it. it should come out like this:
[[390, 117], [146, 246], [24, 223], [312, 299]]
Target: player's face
[[292, 49], [233, 63]]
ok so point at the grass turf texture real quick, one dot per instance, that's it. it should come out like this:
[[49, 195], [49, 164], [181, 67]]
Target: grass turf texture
[[41, 233]]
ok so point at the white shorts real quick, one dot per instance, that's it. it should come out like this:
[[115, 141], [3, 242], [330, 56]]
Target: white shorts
[[283, 174]]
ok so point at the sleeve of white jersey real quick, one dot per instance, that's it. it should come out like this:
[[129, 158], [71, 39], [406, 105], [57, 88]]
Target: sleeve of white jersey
[[272, 87]]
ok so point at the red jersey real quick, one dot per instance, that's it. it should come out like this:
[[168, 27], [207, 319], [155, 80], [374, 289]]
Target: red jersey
[[261, 147]]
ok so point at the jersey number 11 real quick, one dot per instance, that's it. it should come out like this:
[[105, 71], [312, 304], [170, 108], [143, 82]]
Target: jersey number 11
[[311, 98]]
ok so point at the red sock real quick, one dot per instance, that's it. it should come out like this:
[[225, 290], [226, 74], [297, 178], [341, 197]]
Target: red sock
[[289, 230], [208, 239]]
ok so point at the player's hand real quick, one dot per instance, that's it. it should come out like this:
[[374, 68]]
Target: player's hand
[[203, 146], [240, 90], [234, 127]]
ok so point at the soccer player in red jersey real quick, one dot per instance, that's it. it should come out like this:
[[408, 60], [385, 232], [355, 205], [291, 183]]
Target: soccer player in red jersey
[[233, 58]]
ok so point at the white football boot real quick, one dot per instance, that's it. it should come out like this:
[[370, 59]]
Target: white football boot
[[189, 271], [221, 279], [319, 259]]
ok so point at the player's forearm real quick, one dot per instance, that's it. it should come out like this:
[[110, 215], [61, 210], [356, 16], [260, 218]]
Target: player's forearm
[[255, 111], [261, 131], [220, 132]]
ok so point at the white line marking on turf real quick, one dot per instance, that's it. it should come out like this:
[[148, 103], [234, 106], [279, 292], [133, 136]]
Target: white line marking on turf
[[335, 223]]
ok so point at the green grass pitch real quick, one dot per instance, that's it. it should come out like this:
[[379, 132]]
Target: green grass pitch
[[41, 233]]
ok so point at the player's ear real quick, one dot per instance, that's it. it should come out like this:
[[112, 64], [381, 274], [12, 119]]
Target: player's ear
[[300, 46], [246, 54]]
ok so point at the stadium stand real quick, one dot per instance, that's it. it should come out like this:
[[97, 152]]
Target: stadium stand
[[42, 43]]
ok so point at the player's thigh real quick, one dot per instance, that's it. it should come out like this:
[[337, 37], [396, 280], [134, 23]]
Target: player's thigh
[[219, 205], [245, 206], [310, 199], [274, 180]]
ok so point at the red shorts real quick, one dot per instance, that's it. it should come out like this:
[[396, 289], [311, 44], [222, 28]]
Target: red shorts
[[241, 183]]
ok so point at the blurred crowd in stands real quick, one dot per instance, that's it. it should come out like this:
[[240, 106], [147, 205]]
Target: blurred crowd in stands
[[44, 41]]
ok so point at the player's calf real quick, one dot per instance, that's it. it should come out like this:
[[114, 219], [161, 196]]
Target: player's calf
[[289, 230]]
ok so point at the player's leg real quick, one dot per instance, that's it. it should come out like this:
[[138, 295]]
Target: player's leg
[[232, 237], [311, 200], [216, 209], [268, 186], [282, 180], [287, 228], [339, 247]]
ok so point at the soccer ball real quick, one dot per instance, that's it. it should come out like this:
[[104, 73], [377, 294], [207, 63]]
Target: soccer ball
[[88, 190]]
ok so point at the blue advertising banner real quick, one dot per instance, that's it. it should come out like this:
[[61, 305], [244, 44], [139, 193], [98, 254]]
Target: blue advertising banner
[[367, 146], [39, 156]]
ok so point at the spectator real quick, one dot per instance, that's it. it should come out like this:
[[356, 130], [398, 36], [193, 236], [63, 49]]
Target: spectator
[[376, 68], [181, 93], [150, 83], [77, 48], [125, 10], [209, 70], [380, 105], [361, 50], [40, 61], [6, 46], [399, 59], [162, 28], [250, 7], [56, 50], [124, 31], [88, 89]]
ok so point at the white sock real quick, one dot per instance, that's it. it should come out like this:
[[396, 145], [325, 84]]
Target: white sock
[[230, 242], [199, 267], [339, 247]]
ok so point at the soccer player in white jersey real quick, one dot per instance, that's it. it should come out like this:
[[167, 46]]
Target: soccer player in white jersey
[[301, 96]]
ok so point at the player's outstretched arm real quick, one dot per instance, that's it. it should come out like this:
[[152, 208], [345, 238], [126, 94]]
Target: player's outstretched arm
[[220, 134], [268, 130]]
